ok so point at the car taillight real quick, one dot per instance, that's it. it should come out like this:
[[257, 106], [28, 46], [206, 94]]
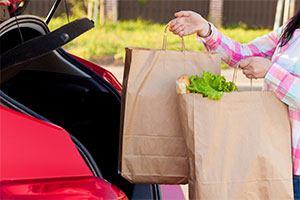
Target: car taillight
[[61, 188]]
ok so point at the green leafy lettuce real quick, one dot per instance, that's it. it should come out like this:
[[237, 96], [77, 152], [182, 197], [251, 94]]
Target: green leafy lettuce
[[211, 85]]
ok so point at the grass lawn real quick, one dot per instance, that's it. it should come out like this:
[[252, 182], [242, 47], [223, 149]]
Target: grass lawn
[[110, 39]]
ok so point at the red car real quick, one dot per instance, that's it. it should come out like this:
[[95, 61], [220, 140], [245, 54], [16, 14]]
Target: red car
[[60, 118]]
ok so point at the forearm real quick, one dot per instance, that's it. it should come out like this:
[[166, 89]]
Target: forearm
[[232, 52], [285, 85]]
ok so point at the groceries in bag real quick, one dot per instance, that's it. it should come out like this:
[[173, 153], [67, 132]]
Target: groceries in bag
[[209, 85], [239, 147]]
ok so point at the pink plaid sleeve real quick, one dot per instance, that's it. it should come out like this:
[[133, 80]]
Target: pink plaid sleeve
[[285, 85], [232, 52]]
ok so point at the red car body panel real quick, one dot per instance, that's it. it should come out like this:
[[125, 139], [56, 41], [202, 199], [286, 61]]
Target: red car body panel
[[34, 149], [107, 75]]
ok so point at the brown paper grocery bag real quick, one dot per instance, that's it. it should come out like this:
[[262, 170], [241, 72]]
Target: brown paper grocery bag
[[153, 147], [239, 147]]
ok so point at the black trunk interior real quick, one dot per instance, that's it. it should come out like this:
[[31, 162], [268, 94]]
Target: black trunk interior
[[80, 105]]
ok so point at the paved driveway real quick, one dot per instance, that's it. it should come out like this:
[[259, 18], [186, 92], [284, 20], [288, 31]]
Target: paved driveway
[[242, 82]]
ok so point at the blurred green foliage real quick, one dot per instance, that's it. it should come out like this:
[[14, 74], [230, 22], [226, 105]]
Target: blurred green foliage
[[143, 1], [111, 39]]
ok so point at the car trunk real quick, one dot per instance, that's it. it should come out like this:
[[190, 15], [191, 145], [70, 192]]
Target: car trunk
[[84, 107], [64, 91]]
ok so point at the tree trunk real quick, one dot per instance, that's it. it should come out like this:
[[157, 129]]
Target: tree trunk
[[115, 11], [292, 8], [95, 18], [278, 16], [102, 12], [90, 9], [286, 12], [216, 12]]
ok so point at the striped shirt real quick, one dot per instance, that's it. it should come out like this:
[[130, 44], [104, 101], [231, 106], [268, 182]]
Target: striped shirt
[[283, 77]]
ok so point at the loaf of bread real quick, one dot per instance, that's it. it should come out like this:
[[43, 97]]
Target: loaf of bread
[[181, 83]]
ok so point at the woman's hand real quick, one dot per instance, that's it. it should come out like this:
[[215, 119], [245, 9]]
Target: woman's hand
[[188, 23], [255, 67]]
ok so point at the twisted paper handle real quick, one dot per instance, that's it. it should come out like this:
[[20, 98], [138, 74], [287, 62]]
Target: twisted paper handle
[[235, 76], [164, 47]]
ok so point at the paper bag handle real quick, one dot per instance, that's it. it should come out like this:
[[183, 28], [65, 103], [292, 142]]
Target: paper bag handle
[[235, 76], [164, 47]]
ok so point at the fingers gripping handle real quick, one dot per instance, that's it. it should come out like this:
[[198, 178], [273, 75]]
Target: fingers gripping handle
[[235, 76], [164, 47]]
